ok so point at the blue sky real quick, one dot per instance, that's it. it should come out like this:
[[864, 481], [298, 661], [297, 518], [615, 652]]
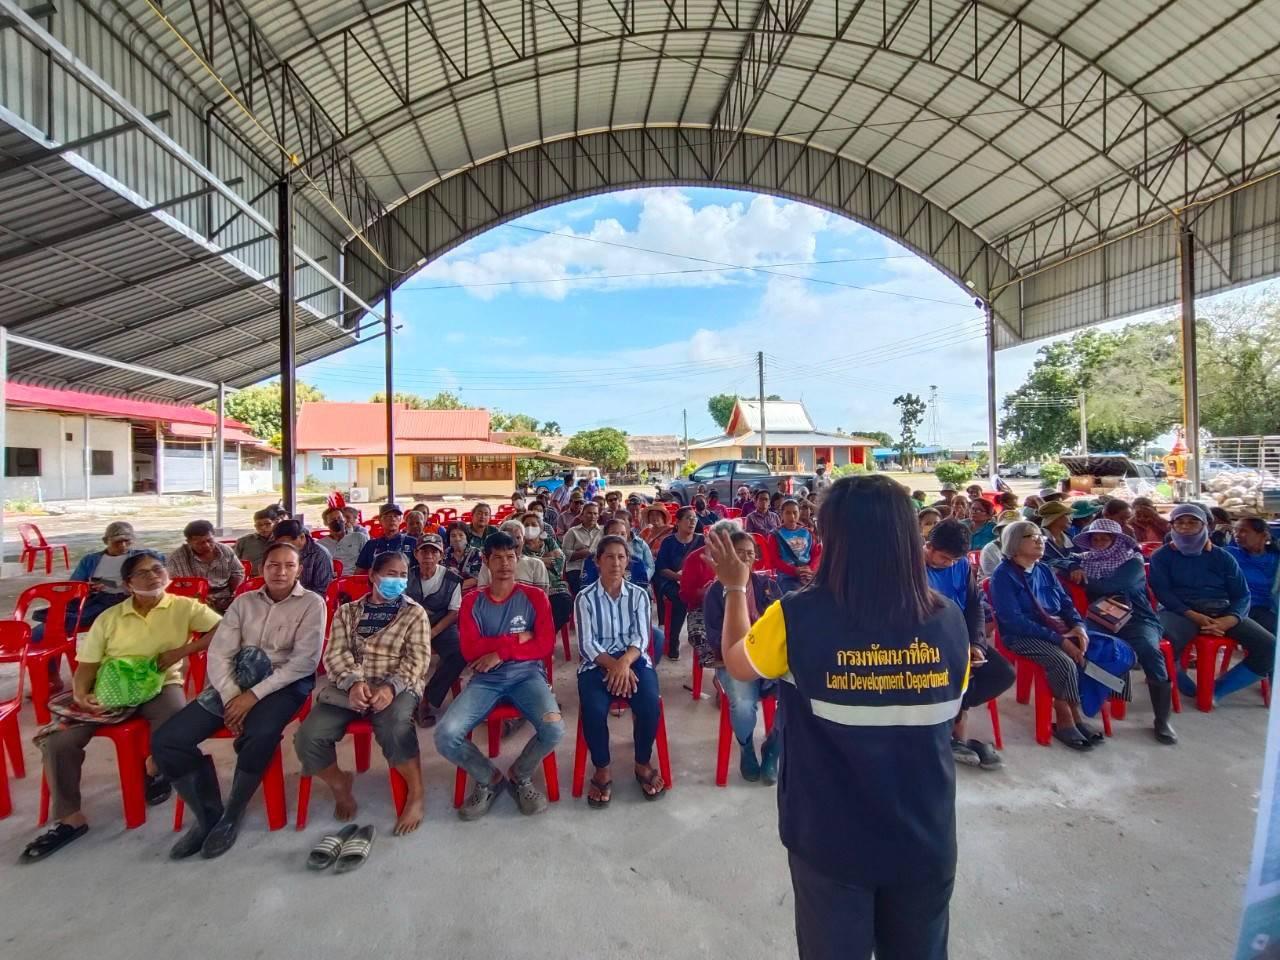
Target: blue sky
[[614, 349]]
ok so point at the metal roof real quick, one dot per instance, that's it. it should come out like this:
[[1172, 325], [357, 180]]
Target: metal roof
[[1004, 141], [1043, 154]]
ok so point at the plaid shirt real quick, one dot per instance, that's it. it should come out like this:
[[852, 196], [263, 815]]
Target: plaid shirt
[[224, 572], [398, 654]]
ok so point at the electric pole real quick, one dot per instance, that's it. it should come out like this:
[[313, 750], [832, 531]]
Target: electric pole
[[764, 433], [686, 435], [1084, 428]]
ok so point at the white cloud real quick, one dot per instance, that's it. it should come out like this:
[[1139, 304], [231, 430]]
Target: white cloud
[[748, 233]]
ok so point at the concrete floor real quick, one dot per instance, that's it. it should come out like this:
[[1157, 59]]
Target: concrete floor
[[1134, 851]]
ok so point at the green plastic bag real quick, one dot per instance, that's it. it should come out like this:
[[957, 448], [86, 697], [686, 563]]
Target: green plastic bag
[[127, 681]]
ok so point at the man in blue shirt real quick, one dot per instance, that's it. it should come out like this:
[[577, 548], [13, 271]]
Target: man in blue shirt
[[391, 539], [1201, 590]]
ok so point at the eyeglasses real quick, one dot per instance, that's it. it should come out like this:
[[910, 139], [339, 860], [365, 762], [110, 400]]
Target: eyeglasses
[[1038, 537]]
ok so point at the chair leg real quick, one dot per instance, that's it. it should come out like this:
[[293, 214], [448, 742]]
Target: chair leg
[[66, 559], [552, 775], [179, 811], [364, 747], [579, 761], [994, 710], [1166, 648], [12, 736], [723, 744], [697, 675], [130, 759], [1265, 688], [399, 790], [1119, 709], [664, 751], [48, 561], [273, 793], [1105, 711], [1206, 662], [564, 639], [1043, 709], [493, 733], [304, 800], [1025, 679], [38, 675], [459, 787], [6, 802], [770, 711]]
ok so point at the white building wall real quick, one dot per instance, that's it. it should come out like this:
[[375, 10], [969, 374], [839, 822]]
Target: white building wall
[[62, 459], [341, 474]]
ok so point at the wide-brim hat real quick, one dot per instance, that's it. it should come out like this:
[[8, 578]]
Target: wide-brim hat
[[1052, 510], [1084, 508], [1102, 525]]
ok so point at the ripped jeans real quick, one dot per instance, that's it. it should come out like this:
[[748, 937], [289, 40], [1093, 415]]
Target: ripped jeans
[[523, 684]]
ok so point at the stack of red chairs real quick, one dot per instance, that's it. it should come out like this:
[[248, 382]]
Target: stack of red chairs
[[15, 637]]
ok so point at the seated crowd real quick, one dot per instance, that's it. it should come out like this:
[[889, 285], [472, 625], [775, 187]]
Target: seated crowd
[[1035, 584]]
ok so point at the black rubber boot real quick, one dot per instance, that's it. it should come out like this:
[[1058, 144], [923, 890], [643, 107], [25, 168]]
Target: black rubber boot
[[1162, 704], [199, 791], [223, 836]]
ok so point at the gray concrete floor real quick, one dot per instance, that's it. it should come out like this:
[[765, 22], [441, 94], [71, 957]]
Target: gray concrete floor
[[1134, 851]]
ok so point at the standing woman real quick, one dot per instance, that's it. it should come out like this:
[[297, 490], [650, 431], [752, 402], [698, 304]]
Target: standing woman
[[866, 800]]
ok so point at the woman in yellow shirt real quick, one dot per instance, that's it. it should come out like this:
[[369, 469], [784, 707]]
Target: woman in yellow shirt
[[151, 623]]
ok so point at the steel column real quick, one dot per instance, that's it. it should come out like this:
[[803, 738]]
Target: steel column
[[289, 444], [219, 472], [391, 426], [4, 437], [86, 455], [993, 444], [1190, 383], [158, 467]]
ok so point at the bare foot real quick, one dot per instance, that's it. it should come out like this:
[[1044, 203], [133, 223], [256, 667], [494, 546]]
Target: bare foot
[[411, 819], [344, 801]]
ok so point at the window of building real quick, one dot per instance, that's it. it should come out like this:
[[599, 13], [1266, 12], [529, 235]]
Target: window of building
[[380, 478], [22, 461], [782, 458], [489, 468], [326, 463], [104, 463], [437, 468]]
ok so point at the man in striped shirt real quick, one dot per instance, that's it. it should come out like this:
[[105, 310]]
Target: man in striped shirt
[[613, 623]]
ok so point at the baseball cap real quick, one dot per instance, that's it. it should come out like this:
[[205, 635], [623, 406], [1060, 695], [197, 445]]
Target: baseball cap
[[430, 540], [389, 508]]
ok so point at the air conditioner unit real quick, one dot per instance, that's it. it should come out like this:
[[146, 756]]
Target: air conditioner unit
[[358, 495]]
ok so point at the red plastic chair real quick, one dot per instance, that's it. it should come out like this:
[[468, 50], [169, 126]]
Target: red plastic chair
[[337, 568], [770, 705], [664, 756], [493, 727], [975, 559], [195, 587], [248, 568], [362, 731], [564, 640], [59, 594], [132, 740], [13, 635], [1227, 654], [34, 544], [447, 514], [1149, 547], [249, 584], [732, 513], [1208, 648], [272, 789]]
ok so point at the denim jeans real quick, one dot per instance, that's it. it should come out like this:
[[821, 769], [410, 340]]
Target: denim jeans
[[744, 702], [594, 701], [523, 684]]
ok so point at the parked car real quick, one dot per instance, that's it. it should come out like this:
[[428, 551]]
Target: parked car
[[725, 476], [1031, 470], [553, 483]]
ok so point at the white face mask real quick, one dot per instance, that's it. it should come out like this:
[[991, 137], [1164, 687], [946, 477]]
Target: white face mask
[[155, 594], [532, 533]]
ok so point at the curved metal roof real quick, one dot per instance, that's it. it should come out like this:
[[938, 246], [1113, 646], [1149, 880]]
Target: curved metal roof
[[1043, 153]]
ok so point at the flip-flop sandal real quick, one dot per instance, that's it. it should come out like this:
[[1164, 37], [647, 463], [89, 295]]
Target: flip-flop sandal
[[1090, 734], [356, 850], [654, 779], [51, 842], [1072, 738], [606, 791], [325, 853]]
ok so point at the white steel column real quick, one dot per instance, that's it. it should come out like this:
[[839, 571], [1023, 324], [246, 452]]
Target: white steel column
[[219, 464]]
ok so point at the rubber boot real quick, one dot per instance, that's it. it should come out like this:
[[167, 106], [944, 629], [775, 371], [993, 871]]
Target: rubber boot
[[199, 791], [223, 835], [748, 763], [1237, 678], [1162, 704]]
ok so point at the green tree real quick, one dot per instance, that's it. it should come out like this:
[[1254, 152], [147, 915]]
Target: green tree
[[606, 448], [444, 400], [531, 468], [259, 408], [721, 408], [912, 410], [879, 436], [1238, 348], [512, 422], [550, 429], [949, 472]]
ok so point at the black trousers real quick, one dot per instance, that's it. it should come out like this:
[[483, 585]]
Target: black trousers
[[561, 609], [834, 921], [447, 671], [176, 745], [669, 590], [989, 680]]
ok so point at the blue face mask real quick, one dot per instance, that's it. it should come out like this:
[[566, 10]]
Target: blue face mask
[[390, 588], [1190, 543]]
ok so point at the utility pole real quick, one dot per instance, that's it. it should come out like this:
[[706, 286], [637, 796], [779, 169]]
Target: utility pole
[[1084, 428], [685, 414], [993, 441], [764, 433]]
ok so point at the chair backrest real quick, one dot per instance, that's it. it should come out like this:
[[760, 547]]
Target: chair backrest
[[31, 535], [732, 513], [58, 594], [764, 553], [975, 559], [1078, 595], [1149, 547], [15, 638], [194, 587], [249, 583], [248, 568], [447, 514], [337, 568], [319, 534], [351, 588]]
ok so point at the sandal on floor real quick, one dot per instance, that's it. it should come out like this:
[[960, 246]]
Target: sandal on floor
[[605, 790], [51, 842], [356, 850], [325, 853], [654, 779], [1090, 734], [1072, 738]]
